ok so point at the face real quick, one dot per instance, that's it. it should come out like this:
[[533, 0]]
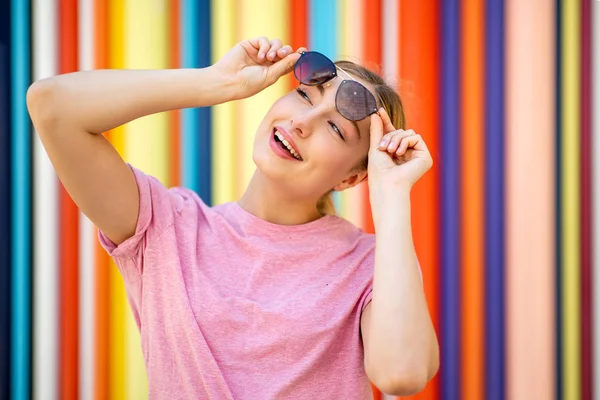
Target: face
[[326, 147]]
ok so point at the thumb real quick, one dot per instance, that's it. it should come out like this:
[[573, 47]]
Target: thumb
[[376, 131], [282, 67]]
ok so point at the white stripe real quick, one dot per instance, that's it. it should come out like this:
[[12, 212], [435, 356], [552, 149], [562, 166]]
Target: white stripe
[[45, 222], [596, 194], [391, 37], [86, 231]]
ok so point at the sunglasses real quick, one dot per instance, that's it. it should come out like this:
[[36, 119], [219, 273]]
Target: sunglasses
[[352, 100]]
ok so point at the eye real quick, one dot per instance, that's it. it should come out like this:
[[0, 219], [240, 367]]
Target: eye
[[303, 94], [337, 130]]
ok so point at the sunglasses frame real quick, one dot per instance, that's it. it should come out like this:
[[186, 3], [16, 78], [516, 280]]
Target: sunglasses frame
[[327, 82]]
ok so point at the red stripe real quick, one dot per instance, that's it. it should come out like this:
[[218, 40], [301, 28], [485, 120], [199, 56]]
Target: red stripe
[[586, 204], [419, 89], [101, 272], [69, 238]]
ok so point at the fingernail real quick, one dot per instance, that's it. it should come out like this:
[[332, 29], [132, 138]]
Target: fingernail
[[261, 55], [391, 146], [283, 51], [272, 54], [383, 143]]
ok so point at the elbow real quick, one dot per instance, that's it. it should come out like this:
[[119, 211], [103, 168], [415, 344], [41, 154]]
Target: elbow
[[41, 104], [404, 383], [401, 381]]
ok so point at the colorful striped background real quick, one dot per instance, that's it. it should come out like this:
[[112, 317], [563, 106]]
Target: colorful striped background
[[506, 225]]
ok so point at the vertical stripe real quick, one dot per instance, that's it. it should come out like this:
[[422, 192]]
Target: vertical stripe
[[175, 115], [529, 199], [190, 136], [596, 197], [118, 298], [450, 345], [202, 158], [21, 268], [87, 235], [147, 145], [494, 201], [570, 209], [371, 59], [419, 87], [253, 21], [323, 37], [224, 177], [471, 191], [390, 37], [45, 224], [586, 215], [102, 268], [68, 232], [5, 165], [351, 48]]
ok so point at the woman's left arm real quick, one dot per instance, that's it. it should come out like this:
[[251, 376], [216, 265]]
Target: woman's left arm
[[401, 347]]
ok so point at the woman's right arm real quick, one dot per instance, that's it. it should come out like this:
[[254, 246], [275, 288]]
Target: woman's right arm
[[71, 111]]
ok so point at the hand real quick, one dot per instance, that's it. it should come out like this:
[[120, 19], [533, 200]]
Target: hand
[[256, 64], [397, 158]]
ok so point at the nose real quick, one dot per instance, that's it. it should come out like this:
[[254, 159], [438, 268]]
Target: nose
[[304, 121]]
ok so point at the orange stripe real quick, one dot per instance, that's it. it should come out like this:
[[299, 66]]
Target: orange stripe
[[101, 273], [472, 200], [298, 28], [419, 89], [175, 116], [69, 237], [372, 60]]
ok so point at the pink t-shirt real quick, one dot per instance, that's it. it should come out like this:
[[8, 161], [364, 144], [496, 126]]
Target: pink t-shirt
[[230, 306]]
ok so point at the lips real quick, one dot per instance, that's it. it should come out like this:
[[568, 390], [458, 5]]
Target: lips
[[288, 138]]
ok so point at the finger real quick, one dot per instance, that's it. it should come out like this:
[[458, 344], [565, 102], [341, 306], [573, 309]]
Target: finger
[[264, 47], [284, 51], [375, 131], [275, 46], [281, 67], [385, 141], [395, 140], [408, 144], [387, 122], [301, 50]]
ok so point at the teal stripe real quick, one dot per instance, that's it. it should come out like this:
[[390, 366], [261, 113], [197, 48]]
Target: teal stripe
[[21, 202], [323, 30]]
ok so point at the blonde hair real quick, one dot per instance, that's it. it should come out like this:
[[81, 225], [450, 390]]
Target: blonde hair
[[387, 98]]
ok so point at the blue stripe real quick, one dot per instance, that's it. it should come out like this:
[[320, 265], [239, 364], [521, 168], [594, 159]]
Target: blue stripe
[[558, 197], [5, 236], [494, 204], [21, 201], [323, 37], [450, 138], [189, 117], [203, 153]]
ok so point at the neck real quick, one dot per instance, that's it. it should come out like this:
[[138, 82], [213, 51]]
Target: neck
[[267, 201]]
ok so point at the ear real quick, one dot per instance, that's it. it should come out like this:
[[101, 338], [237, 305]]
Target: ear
[[351, 181]]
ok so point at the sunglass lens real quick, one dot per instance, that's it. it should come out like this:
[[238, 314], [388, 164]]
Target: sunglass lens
[[354, 101], [314, 69]]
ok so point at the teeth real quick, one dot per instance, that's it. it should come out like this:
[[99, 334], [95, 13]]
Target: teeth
[[287, 145]]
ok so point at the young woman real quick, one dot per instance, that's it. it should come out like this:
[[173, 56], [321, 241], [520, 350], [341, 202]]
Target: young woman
[[273, 296]]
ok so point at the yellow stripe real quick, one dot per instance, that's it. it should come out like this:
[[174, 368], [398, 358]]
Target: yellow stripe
[[223, 116], [118, 298], [147, 139], [258, 18], [570, 199]]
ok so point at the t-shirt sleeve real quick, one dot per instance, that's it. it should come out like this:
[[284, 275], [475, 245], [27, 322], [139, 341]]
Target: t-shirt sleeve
[[155, 216]]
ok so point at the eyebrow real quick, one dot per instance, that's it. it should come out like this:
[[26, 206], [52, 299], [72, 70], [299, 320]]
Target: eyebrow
[[354, 123]]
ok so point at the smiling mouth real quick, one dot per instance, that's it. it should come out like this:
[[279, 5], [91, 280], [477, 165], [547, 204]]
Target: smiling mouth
[[284, 144]]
